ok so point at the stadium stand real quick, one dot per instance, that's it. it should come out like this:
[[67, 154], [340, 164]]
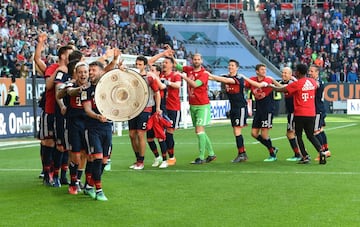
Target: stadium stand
[[327, 33]]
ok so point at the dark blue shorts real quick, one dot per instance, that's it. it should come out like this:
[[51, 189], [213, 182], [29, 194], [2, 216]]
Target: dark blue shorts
[[319, 121], [290, 122], [99, 140], [175, 117], [61, 131], [139, 122], [47, 126], [76, 128], [262, 120], [238, 117]]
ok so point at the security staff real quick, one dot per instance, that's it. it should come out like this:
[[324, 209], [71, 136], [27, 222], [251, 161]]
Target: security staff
[[11, 98]]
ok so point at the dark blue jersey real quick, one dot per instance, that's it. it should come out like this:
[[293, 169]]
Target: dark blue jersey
[[60, 78], [319, 98], [289, 101], [75, 108], [89, 95], [235, 92]]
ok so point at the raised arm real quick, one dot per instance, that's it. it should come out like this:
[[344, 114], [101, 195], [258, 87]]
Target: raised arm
[[108, 54], [116, 53], [167, 52], [41, 66]]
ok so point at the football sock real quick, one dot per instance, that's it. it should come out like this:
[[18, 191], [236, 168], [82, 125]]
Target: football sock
[[163, 149], [88, 174], [137, 154], [294, 146], [141, 159], [97, 173], [57, 162], [267, 143], [73, 173], [64, 169], [64, 163], [42, 148], [79, 173], [153, 148], [47, 155], [324, 139], [319, 137], [240, 143], [202, 143], [170, 152], [261, 140], [170, 140], [209, 146]]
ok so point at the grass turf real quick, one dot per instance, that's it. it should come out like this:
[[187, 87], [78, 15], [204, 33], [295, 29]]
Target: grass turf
[[221, 193]]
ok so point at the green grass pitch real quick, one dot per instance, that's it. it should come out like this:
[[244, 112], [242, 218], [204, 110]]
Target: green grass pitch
[[221, 193]]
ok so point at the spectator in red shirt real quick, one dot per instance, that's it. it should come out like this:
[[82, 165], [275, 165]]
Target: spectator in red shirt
[[272, 35]]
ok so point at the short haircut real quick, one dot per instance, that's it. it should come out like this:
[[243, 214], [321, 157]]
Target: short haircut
[[97, 63], [316, 67], [62, 50], [81, 63], [143, 59], [157, 67], [236, 62], [197, 54], [71, 66], [170, 59], [301, 69], [75, 55], [287, 69], [258, 66]]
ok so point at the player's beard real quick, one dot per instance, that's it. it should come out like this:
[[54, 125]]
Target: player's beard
[[197, 65]]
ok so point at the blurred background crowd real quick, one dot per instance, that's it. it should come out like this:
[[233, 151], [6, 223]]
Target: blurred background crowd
[[323, 33]]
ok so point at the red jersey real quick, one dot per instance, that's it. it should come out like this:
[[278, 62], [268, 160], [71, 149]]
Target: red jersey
[[173, 94], [153, 87], [50, 93], [162, 91], [303, 92], [259, 93], [158, 124], [198, 95], [264, 96]]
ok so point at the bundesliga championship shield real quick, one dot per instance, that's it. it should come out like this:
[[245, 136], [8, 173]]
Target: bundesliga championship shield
[[121, 95]]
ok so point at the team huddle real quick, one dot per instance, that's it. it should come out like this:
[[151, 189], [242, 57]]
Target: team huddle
[[76, 137]]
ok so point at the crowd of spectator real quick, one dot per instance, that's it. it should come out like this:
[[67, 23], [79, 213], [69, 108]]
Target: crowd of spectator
[[328, 35], [93, 26]]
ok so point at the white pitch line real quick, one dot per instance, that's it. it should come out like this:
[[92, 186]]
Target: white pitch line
[[211, 171], [326, 129], [342, 126]]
